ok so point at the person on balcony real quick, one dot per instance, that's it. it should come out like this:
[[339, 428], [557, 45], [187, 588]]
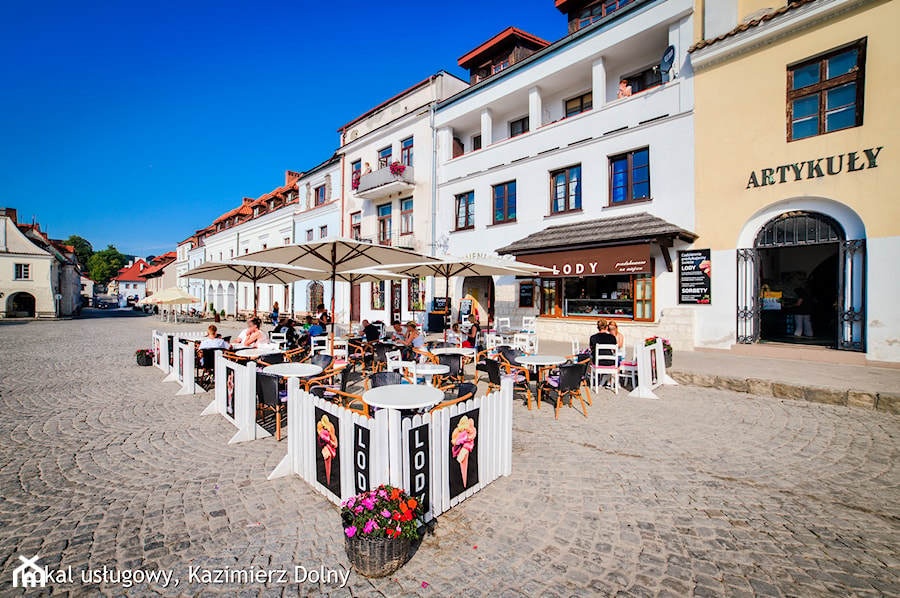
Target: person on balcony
[[367, 169], [624, 89]]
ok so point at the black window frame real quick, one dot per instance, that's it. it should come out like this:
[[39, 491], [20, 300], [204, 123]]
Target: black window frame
[[583, 104], [524, 122]]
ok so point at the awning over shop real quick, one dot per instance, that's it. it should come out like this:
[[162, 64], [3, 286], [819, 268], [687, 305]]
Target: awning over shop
[[618, 245]]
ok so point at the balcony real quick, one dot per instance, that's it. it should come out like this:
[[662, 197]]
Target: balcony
[[394, 239], [382, 183]]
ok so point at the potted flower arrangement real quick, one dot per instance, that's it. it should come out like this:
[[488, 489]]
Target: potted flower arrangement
[[380, 526], [667, 348], [397, 168], [354, 182], [144, 356]]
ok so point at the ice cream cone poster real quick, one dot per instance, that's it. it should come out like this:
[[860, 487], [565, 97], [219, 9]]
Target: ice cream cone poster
[[229, 392], [181, 366], [328, 460], [156, 353], [463, 464]]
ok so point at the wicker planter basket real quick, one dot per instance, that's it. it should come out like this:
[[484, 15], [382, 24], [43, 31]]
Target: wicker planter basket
[[668, 355], [377, 557], [144, 360]]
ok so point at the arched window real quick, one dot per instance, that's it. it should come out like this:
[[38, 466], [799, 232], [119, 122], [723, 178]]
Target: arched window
[[315, 295], [799, 228]]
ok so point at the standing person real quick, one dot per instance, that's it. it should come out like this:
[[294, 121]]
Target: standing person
[[624, 89], [275, 314], [803, 314], [322, 316], [472, 335]]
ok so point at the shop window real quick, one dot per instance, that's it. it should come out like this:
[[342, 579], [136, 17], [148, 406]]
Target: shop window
[[550, 305], [465, 210], [384, 224], [518, 127], [384, 157], [406, 216], [825, 93], [505, 202], [356, 225], [406, 151], [580, 104], [643, 297], [416, 298], [565, 190], [378, 295], [630, 177]]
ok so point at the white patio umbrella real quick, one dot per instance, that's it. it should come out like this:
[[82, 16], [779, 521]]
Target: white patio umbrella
[[170, 296], [449, 266], [336, 256], [255, 272]]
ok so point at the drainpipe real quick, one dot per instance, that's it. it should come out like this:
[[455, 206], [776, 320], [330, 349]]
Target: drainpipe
[[433, 185]]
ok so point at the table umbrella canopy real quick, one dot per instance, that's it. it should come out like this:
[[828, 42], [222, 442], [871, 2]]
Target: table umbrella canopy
[[462, 266], [336, 255], [255, 272], [170, 296]]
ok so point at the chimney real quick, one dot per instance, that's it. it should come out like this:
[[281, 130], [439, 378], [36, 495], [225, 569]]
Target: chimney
[[10, 213], [291, 177], [248, 200]]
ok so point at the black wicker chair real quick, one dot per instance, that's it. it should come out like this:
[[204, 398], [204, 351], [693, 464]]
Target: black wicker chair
[[267, 387]]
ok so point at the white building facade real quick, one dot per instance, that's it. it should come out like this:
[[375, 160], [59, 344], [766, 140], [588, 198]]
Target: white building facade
[[388, 155], [544, 160]]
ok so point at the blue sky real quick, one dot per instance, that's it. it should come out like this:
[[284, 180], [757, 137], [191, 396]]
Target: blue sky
[[136, 122]]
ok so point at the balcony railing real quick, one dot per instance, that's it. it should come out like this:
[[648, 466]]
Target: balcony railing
[[394, 238], [383, 183]]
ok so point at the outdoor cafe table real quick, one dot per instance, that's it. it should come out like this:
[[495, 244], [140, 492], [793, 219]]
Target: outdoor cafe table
[[430, 370], [403, 396], [295, 370], [464, 351], [541, 362], [251, 353]]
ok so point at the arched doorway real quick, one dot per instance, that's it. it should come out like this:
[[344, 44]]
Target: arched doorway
[[220, 298], [230, 298], [802, 282], [20, 305], [480, 289], [315, 295]]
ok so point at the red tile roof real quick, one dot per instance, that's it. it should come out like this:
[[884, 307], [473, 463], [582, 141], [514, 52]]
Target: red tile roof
[[510, 33], [750, 24], [132, 273]]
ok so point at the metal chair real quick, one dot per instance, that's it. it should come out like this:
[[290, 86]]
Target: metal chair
[[569, 383], [464, 392], [267, 393], [384, 379], [519, 377], [455, 375]]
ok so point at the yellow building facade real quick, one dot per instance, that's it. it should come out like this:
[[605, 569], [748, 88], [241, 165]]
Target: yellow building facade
[[797, 177]]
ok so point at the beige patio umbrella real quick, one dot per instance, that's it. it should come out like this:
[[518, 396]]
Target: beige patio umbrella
[[255, 272], [336, 256], [170, 296]]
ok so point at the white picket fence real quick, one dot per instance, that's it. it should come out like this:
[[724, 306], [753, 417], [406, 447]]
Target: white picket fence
[[651, 365], [411, 453], [235, 398]]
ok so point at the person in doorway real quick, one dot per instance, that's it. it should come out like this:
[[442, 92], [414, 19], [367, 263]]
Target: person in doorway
[[803, 314], [213, 340], [275, 315], [624, 89], [472, 335]]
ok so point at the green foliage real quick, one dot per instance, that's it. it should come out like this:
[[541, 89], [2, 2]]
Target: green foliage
[[83, 249], [103, 265]]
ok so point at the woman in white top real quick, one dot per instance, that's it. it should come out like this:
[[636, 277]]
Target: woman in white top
[[454, 335], [255, 336]]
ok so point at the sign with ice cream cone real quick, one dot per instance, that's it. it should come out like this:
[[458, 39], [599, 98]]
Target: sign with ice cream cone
[[328, 460], [463, 464]]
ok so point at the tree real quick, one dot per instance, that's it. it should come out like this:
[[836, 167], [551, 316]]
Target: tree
[[83, 249], [103, 265]]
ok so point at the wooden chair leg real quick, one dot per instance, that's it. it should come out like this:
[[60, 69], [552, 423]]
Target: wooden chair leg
[[580, 398], [278, 424]]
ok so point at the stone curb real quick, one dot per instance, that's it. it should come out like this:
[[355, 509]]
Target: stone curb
[[887, 402]]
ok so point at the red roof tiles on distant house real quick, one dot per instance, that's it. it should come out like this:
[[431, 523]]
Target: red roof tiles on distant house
[[750, 24], [132, 273], [159, 264], [509, 34]]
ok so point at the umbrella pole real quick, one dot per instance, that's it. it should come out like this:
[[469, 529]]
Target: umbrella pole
[[255, 297], [333, 276]]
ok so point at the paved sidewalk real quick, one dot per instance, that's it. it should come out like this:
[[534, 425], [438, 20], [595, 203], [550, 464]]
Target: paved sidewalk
[[704, 492]]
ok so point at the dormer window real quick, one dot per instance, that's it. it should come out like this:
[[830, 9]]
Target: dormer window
[[499, 66], [595, 12]]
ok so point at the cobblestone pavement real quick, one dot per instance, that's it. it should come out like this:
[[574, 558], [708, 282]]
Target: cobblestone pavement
[[704, 492]]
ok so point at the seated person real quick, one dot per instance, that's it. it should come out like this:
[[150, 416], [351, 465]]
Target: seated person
[[414, 340], [454, 335], [213, 340], [287, 329], [370, 331], [239, 341], [398, 335], [255, 336], [603, 337], [472, 335], [313, 327]]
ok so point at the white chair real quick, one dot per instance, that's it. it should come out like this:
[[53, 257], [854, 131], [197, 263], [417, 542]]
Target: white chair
[[279, 339], [503, 325], [395, 362], [520, 341], [605, 362], [318, 344], [340, 348], [576, 346], [529, 324]]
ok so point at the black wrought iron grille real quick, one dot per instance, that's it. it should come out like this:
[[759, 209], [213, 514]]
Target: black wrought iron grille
[[799, 228]]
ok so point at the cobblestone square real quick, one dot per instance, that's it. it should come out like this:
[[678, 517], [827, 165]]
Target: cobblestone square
[[705, 492]]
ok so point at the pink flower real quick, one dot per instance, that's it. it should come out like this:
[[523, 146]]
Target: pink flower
[[385, 513], [350, 531], [369, 503], [370, 526]]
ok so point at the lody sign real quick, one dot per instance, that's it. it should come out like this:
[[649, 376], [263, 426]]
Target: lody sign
[[694, 276]]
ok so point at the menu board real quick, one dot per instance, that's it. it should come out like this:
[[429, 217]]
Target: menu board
[[694, 276], [439, 304], [465, 309], [526, 294]]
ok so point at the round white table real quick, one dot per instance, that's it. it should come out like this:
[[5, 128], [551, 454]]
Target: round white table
[[541, 362], [464, 351], [293, 370], [430, 370], [403, 396], [256, 352]]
